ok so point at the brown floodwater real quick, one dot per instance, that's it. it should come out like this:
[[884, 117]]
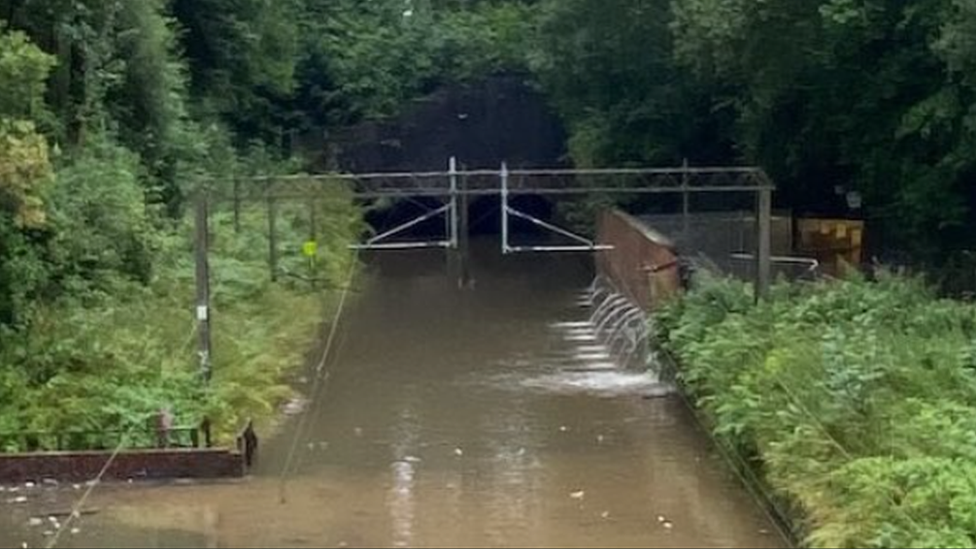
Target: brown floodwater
[[452, 418]]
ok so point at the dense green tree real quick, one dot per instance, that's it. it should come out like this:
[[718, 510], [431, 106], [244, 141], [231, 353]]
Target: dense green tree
[[843, 93]]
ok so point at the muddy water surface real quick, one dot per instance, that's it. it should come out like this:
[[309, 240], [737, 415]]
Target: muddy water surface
[[452, 418]]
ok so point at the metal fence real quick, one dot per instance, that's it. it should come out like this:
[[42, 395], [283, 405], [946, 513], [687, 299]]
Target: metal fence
[[727, 242], [82, 441]]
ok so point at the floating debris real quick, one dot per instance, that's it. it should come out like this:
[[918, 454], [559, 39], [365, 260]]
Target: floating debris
[[50, 482], [521, 452], [75, 531], [311, 446], [48, 533], [764, 531], [18, 499], [358, 431], [412, 459], [605, 515], [29, 485], [34, 522], [578, 495], [458, 452], [294, 406], [563, 429], [24, 545], [76, 486], [667, 525], [599, 439]]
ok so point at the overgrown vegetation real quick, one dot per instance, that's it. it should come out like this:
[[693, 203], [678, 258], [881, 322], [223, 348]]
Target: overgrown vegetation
[[873, 96], [856, 399], [112, 113]]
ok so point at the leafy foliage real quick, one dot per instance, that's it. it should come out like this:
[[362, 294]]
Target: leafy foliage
[[96, 272], [859, 399]]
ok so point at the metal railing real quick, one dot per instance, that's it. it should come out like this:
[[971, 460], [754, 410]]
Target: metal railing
[[82, 441]]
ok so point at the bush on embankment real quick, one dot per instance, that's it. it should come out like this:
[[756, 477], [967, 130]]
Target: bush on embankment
[[106, 351], [856, 399]]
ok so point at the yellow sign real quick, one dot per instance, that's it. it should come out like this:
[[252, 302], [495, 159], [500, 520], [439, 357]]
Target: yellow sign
[[310, 248]]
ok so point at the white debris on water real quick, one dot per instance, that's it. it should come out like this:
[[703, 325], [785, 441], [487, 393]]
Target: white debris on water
[[18, 499], [75, 531], [605, 515], [294, 406], [29, 485], [34, 522], [412, 459], [458, 452], [563, 429], [578, 495]]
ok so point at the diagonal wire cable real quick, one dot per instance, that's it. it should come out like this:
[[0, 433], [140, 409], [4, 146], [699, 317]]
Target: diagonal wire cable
[[321, 379]]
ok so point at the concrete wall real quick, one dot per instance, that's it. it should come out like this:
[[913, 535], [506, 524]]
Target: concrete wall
[[144, 464], [641, 264]]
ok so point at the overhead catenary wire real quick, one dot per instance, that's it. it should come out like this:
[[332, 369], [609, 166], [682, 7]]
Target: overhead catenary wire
[[740, 467], [92, 484], [815, 422], [321, 378]]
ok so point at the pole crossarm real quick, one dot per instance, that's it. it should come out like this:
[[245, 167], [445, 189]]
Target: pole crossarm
[[396, 185]]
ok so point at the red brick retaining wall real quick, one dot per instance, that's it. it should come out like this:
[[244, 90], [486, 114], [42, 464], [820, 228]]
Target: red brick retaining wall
[[641, 264], [142, 464]]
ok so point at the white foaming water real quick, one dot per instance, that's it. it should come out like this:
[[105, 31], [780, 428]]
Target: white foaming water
[[608, 383], [591, 356], [589, 338], [579, 324], [591, 349]]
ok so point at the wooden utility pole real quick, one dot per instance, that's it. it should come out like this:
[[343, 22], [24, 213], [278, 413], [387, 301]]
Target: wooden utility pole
[[237, 205], [272, 233], [764, 223], [464, 245], [685, 204], [313, 239], [202, 256]]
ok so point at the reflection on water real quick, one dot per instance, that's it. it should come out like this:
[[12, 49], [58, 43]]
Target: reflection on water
[[457, 418]]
